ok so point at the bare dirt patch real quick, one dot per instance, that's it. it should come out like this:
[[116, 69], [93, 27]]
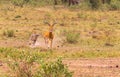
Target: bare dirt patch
[[12, 43], [94, 67]]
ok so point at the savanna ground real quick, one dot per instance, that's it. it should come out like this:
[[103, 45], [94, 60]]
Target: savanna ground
[[95, 53]]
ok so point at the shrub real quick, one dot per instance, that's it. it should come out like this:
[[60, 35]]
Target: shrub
[[95, 4], [18, 2], [108, 1], [40, 2], [17, 16], [72, 37], [85, 5], [53, 69], [46, 69], [9, 33], [105, 7], [82, 15], [21, 69], [115, 4]]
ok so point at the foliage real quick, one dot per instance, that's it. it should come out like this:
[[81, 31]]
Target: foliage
[[18, 2], [85, 4], [9, 33], [115, 4], [47, 69], [95, 4], [108, 1], [21, 69], [23, 64], [72, 37], [53, 69], [21, 3]]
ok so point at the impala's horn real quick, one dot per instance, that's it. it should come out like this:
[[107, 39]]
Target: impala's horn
[[46, 22], [54, 23]]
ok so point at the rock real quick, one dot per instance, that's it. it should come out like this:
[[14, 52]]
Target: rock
[[58, 46], [89, 66], [117, 66], [108, 44], [110, 66]]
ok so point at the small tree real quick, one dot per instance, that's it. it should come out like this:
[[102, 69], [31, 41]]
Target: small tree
[[95, 4], [115, 4], [19, 2]]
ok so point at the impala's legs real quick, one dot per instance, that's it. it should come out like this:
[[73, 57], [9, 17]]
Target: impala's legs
[[50, 43], [46, 42]]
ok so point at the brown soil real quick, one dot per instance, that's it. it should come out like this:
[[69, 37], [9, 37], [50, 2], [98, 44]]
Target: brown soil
[[94, 67]]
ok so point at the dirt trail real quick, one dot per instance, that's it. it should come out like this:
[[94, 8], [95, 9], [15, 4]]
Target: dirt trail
[[94, 67], [22, 43], [41, 42]]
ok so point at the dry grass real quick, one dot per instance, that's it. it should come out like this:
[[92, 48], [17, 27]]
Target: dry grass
[[96, 28], [99, 31]]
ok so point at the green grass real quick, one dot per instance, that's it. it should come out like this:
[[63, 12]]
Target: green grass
[[21, 61], [36, 54], [96, 28]]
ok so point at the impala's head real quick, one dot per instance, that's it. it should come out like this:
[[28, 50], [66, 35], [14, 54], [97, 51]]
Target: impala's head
[[50, 26]]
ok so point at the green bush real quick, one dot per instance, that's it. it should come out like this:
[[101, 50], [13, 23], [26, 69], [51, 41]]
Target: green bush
[[95, 4], [36, 2], [24, 63], [40, 2], [72, 37], [21, 69], [18, 2], [85, 5], [45, 69], [53, 69], [115, 4], [108, 1], [105, 7], [9, 33]]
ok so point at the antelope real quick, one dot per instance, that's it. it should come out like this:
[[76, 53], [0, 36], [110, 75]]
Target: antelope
[[48, 35]]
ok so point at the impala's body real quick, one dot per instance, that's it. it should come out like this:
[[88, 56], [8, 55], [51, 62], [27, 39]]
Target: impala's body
[[48, 36]]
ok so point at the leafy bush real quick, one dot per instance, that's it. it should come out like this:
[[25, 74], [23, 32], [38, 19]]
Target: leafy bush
[[46, 69], [95, 4], [115, 4], [105, 7], [40, 2], [18, 2], [85, 5], [17, 16], [108, 1], [72, 37], [53, 69], [81, 15], [9, 33], [26, 64], [21, 69]]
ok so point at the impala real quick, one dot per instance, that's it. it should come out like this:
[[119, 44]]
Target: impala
[[48, 35]]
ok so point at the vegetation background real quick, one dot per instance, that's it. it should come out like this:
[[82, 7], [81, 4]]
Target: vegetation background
[[85, 29]]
